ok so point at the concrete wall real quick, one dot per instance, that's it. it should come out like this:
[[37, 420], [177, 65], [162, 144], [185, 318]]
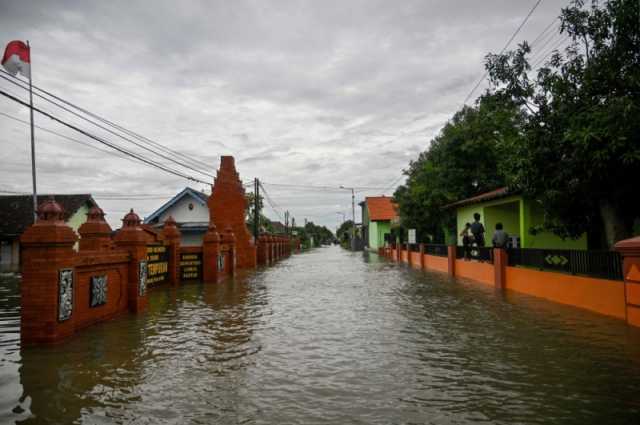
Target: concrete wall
[[601, 296], [533, 216], [377, 229], [77, 219], [182, 214]]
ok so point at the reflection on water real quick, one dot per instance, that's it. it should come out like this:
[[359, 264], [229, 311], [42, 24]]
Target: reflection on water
[[325, 337]]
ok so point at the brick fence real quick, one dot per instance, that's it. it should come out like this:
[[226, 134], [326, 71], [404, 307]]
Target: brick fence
[[617, 298], [63, 290]]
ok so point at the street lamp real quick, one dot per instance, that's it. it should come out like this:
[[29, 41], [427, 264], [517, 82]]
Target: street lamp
[[353, 215]]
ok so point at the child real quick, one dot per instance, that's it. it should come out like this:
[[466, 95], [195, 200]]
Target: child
[[467, 240], [500, 237]]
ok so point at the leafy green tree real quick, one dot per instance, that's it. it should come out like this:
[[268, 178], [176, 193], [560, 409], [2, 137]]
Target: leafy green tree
[[579, 156], [344, 231], [461, 161], [264, 223]]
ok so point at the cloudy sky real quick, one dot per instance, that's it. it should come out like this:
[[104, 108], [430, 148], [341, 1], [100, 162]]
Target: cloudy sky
[[311, 93]]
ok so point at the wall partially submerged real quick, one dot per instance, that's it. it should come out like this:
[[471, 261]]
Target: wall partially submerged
[[616, 298]]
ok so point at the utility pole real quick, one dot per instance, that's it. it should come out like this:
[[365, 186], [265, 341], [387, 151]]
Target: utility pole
[[256, 210], [353, 215], [33, 144], [286, 222]]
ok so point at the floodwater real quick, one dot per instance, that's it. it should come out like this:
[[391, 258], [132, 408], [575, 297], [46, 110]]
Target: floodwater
[[329, 337]]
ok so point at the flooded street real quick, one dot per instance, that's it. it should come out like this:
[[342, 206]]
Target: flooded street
[[328, 336]]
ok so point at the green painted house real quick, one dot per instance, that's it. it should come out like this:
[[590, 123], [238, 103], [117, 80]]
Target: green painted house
[[517, 214], [378, 213]]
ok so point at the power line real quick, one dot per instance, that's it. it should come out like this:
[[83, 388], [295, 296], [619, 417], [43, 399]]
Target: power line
[[106, 121], [535, 6], [16, 81], [71, 139], [105, 142], [326, 188], [269, 201], [544, 56]]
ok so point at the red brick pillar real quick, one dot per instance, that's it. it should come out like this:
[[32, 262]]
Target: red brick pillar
[[630, 251], [95, 233], [398, 250], [500, 262], [172, 240], [210, 252], [279, 247], [229, 239], [408, 253], [48, 287], [422, 256], [261, 250], [451, 259], [133, 239]]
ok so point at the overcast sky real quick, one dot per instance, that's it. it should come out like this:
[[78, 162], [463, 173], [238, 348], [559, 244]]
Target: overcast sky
[[323, 93]]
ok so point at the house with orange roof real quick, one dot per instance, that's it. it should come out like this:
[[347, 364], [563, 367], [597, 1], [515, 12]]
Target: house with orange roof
[[378, 213]]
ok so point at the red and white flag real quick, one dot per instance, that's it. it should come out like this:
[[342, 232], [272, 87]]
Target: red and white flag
[[17, 58]]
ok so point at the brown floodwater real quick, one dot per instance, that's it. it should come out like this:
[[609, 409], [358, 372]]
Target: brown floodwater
[[329, 337]]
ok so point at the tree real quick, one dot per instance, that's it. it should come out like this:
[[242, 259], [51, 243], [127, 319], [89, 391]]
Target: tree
[[461, 161], [344, 231], [265, 223], [580, 152]]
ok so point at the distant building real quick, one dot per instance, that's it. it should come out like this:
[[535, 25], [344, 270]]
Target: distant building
[[378, 212], [190, 211], [278, 228], [16, 214], [517, 214]]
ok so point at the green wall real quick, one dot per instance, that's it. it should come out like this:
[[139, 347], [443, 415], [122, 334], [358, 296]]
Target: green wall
[[533, 216], [77, 219], [518, 216], [377, 229]]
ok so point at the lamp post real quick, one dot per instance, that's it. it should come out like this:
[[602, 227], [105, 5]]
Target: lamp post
[[353, 215]]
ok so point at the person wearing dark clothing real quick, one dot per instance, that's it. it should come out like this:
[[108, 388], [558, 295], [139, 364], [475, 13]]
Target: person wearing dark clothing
[[500, 237], [477, 229], [467, 239]]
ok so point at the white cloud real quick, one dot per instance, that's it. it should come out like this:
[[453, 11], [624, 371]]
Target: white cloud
[[321, 93]]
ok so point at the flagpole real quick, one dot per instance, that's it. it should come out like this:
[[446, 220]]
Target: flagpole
[[33, 145]]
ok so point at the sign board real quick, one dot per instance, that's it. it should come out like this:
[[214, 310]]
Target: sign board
[[191, 266], [157, 264], [412, 235]]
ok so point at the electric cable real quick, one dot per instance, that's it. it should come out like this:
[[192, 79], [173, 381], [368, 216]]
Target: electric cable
[[535, 6], [103, 141], [20, 84]]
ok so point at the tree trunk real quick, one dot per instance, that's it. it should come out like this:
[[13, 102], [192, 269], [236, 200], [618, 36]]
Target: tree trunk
[[615, 227]]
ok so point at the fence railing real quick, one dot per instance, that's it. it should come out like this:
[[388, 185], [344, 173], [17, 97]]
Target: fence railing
[[436, 249], [478, 253], [602, 264]]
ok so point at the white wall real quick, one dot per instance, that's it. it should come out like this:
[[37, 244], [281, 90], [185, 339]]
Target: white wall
[[181, 213], [191, 239]]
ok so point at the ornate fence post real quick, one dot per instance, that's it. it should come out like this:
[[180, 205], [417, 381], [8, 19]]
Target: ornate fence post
[[172, 238], [47, 287], [132, 238], [500, 262], [261, 250], [451, 259], [229, 239], [210, 252], [629, 249], [95, 233]]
